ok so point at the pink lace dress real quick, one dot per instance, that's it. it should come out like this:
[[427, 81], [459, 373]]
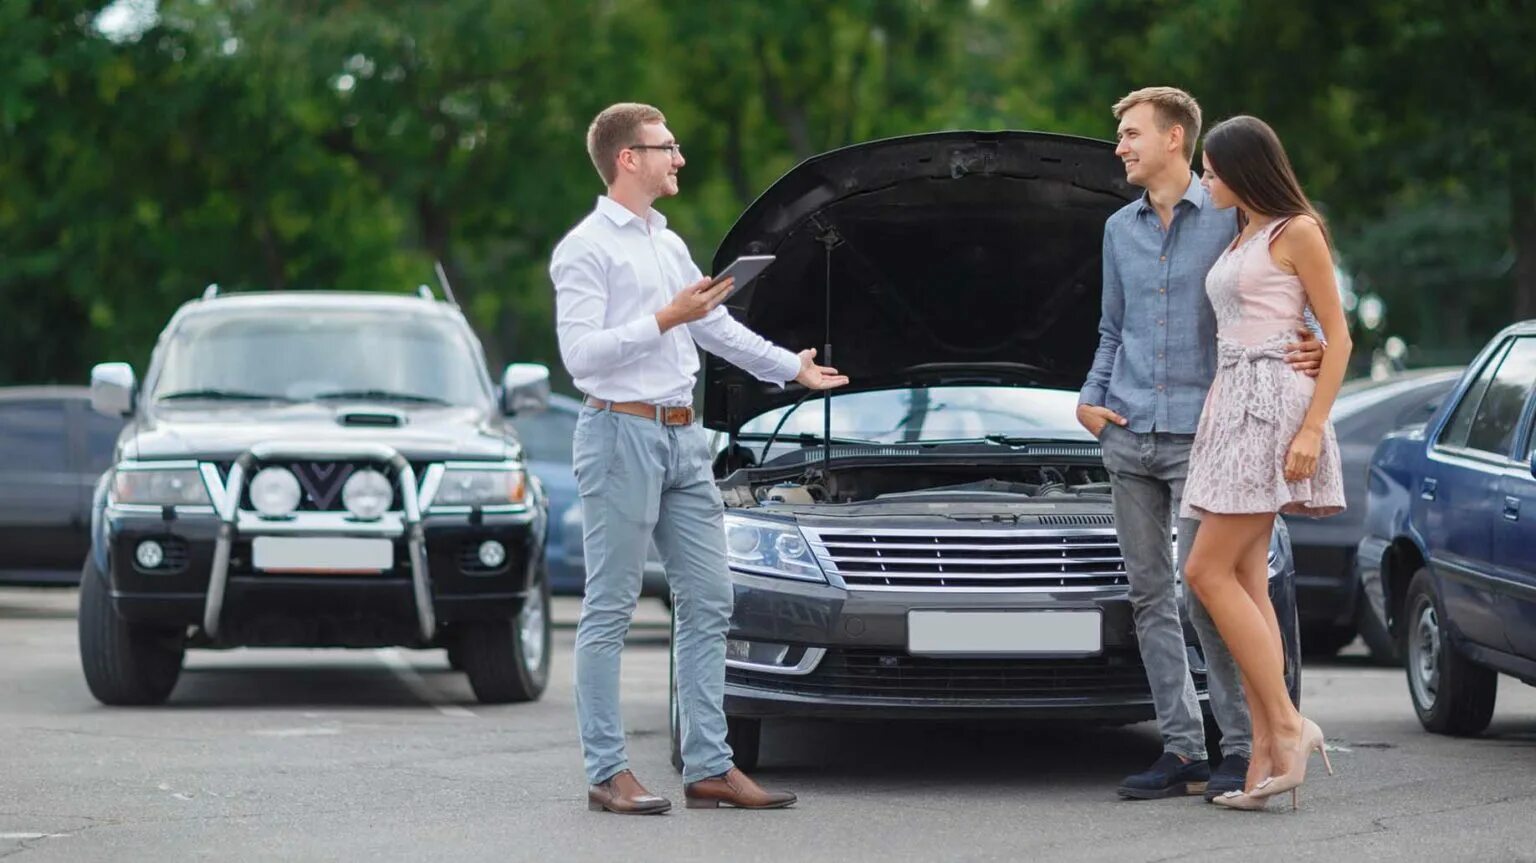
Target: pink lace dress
[[1257, 401]]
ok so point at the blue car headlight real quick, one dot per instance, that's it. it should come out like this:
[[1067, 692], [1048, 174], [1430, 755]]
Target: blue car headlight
[[772, 548]]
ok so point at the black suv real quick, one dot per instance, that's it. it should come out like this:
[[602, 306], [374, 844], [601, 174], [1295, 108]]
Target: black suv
[[313, 469]]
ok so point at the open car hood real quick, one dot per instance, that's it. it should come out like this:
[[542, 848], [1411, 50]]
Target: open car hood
[[942, 258]]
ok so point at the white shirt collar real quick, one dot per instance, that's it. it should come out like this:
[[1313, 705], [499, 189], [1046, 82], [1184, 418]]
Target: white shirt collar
[[621, 215]]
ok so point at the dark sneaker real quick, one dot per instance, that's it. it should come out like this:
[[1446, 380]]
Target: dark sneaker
[[1230, 776], [1169, 776]]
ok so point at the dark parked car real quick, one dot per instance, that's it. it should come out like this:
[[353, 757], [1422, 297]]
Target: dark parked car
[[940, 542], [52, 450], [1448, 561], [547, 436], [314, 469], [1328, 594]]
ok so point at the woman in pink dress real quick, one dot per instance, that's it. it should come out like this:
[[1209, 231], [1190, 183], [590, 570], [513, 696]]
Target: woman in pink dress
[[1264, 444]]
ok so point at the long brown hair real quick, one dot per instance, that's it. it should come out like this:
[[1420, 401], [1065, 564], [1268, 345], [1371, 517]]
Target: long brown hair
[[1247, 155]]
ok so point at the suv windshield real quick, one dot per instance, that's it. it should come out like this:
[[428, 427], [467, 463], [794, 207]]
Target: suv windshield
[[934, 413], [300, 354]]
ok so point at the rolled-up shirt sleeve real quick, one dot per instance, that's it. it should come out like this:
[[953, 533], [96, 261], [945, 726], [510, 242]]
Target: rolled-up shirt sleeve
[[581, 305]]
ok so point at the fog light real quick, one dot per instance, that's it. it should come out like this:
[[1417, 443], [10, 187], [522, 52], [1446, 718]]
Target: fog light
[[275, 492], [367, 495], [492, 554], [755, 652], [149, 554]]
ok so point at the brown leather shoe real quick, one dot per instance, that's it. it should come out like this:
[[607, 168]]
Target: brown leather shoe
[[734, 788], [623, 793]]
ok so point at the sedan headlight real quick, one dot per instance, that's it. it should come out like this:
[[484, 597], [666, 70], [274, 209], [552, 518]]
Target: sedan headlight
[[159, 486], [494, 486], [769, 548]]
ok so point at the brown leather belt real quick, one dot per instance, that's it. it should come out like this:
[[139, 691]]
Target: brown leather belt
[[679, 416]]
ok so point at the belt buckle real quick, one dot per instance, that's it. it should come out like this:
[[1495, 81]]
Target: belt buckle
[[676, 416]]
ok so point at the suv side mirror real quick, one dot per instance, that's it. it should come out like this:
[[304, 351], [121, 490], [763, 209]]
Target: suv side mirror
[[524, 388], [112, 389]]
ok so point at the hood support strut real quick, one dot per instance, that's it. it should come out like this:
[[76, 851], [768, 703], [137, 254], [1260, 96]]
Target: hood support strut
[[829, 239]]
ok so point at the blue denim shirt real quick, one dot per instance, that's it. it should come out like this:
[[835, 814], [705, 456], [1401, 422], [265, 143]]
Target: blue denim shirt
[[1157, 334]]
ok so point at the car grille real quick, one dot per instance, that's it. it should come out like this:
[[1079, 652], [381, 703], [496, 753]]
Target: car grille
[[320, 482], [876, 674], [1022, 560]]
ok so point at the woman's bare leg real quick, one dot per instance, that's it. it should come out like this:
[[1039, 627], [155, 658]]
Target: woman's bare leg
[[1253, 575], [1225, 544]]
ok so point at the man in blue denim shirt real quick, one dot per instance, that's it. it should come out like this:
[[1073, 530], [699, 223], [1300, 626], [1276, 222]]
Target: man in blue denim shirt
[[1155, 362]]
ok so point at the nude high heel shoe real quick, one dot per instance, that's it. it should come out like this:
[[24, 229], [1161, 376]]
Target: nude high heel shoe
[[1311, 741], [1240, 800]]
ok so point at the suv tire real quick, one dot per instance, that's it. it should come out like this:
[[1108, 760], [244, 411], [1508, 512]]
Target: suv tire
[[507, 661], [125, 663]]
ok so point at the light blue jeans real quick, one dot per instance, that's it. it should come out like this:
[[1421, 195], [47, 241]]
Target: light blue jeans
[[640, 479], [1146, 477]]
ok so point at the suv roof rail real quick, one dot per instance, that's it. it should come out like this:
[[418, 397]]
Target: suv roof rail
[[211, 291]]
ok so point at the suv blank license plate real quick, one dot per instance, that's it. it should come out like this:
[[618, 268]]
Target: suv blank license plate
[[321, 554], [1004, 632]]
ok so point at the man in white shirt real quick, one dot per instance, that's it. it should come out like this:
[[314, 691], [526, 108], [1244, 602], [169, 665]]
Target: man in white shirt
[[630, 307]]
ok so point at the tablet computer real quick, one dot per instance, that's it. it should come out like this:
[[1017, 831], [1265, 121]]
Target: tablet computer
[[745, 269]]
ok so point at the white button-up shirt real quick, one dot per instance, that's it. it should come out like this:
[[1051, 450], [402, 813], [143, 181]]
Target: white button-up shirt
[[613, 272]]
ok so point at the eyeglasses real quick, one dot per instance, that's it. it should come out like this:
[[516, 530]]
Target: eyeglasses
[[674, 149]]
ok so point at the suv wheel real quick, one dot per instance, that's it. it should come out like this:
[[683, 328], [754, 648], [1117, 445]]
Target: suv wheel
[[1451, 694], [125, 663], [508, 660]]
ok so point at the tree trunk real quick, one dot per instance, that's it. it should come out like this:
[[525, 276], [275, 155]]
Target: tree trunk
[[1522, 228]]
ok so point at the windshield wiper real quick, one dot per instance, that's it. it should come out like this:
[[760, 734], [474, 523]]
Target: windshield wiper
[[381, 395], [222, 395], [808, 438]]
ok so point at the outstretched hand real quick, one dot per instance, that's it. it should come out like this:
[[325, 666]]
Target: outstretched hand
[[814, 377]]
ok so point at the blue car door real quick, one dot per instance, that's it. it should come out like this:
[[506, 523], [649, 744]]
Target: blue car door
[[1459, 501], [1515, 543]]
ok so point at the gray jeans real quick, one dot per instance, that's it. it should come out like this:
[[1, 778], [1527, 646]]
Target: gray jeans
[[1146, 475], [639, 479]]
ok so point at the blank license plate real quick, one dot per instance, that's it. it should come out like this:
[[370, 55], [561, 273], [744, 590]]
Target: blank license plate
[[1004, 632], [321, 554]]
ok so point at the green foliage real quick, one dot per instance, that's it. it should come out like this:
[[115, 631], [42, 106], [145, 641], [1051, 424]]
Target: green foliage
[[289, 144]]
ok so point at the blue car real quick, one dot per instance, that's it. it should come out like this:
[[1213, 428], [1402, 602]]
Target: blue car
[[1448, 561], [546, 436]]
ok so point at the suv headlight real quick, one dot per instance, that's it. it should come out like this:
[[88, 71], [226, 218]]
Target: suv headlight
[[769, 548], [159, 486], [494, 485]]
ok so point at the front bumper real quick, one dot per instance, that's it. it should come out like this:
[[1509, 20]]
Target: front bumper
[[852, 647], [855, 644], [210, 585]]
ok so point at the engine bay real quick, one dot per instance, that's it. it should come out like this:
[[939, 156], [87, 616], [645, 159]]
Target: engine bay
[[909, 482]]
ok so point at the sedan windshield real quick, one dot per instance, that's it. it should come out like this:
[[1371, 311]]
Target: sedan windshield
[[303, 354], [932, 414]]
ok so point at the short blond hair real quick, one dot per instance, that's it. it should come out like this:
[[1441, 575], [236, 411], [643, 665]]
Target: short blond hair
[[614, 128], [1173, 107]]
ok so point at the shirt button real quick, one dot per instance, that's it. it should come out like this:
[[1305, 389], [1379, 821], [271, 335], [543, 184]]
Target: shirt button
[[1162, 290], [1159, 387], [1159, 323], [1163, 258]]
